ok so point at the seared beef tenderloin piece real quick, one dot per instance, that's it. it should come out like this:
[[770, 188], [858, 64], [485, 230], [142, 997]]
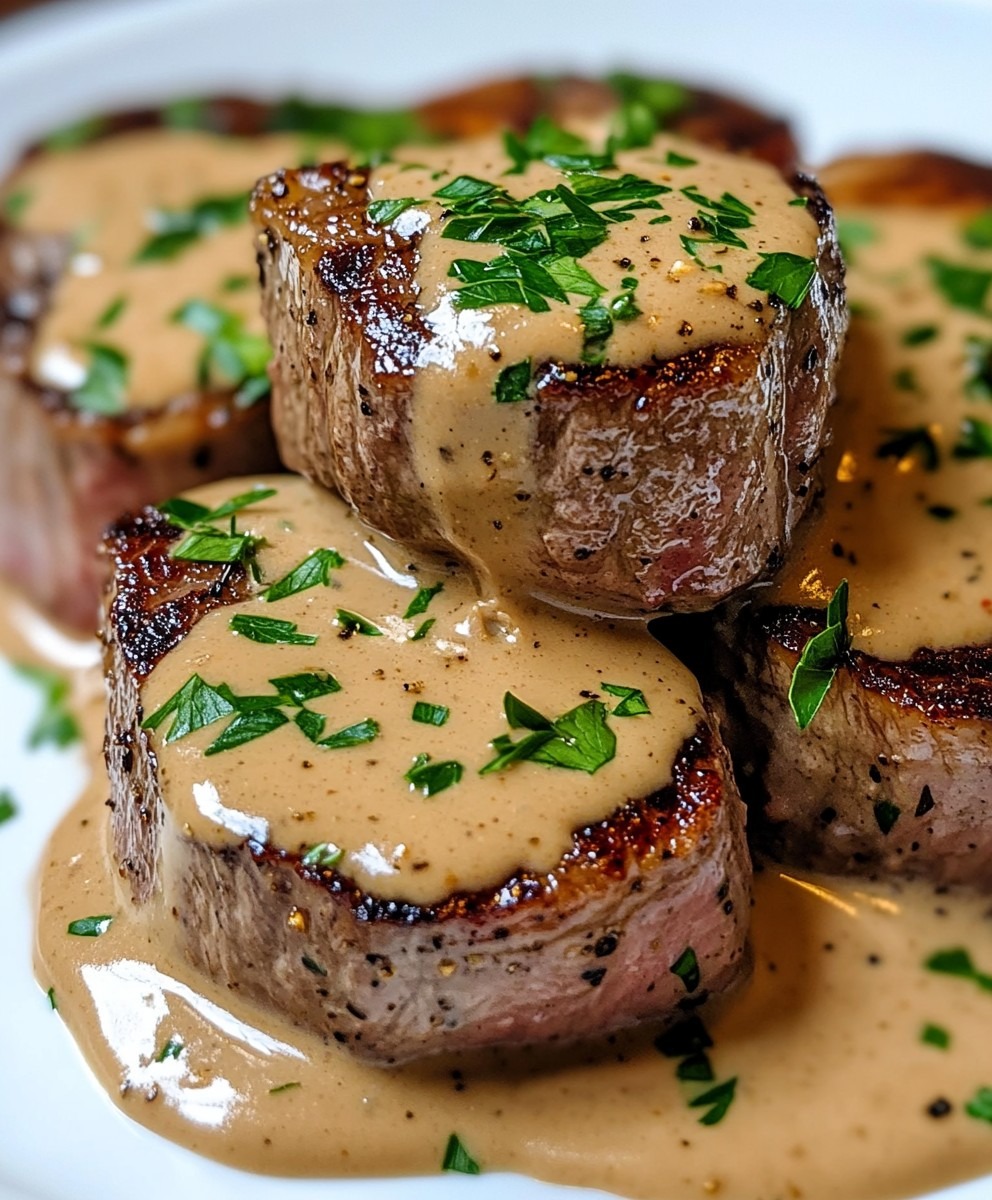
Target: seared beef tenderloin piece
[[894, 774]]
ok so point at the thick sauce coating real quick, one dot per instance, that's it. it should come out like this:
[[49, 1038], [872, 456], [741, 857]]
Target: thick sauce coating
[[906, 516]]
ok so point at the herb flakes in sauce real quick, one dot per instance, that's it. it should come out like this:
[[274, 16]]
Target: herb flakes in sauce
[[8, 809], [173, 1048], [231, 353], [55, 725], [430, 714], [513, 383], [90, 926], [686, 967], [419, 604], [270, 631], [429, 778], [579, 740], [324, 856], [103, 391], [176, 230], [787, 276], [352, 622], [958, 963], [962, 286], [457, 1158], [632, 701], [313, 571], [936, 1036], [820, 659]]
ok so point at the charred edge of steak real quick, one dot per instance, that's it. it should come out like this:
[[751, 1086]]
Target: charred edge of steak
[[911, 179], [944, 684], [640, 831], [157, 599]]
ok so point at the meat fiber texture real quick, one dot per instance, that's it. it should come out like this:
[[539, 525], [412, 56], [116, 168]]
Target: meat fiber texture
[[719, 444], [584, 949], [894, 775]]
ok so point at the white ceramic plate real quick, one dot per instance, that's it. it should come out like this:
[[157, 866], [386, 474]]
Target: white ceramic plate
[[853, 74]]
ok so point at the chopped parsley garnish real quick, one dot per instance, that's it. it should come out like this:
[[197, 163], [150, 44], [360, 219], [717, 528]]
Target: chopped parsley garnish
[[76, 134], [980, 1105], [787, 276], [919, 335], [324, 855], [352, 622], [195, 706], [852, 233], [716, 1100], [917, 442], [905, 380], [52, 1001], [212, 546], [173, 1048], [112, 312], [308, 685], [382, 212], [235, 283], [8, 809], [674, 159], [597, 329], [632, 702], [513, 383], [358, 734], [313, 571], [978, 361], [978, 231], [372, 133], [423, 629], [820, 659], [974, 439], [429, 778], [686, 967], [246, 727], [935, 1035], [579, 740], [886, 815], [176, 230], [55, 725], [14, 205], [646, 105], [284, 1087], [960, 285], [230, 352], [187, 514], [421, 601], [543, 140], [457, 1158], [104, 389], [270, 631], [90, 926], [799, 202], [958, 962], [430, 714]]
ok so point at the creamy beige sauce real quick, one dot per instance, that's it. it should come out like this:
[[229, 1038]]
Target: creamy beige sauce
[[834, 1082], [474, 456], [397, 842], [105, 196], [916, 578]]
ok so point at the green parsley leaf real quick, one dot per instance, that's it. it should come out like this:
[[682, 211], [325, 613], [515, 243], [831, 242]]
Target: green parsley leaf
[[195, 705], [236, 283], [324, 856], [686, 967], [697, 1068], [980, 1105], [905, 380], [974, 439], [69, 137], [284, 1087], [269, 631], [429, 777], [978, 231], [918, 441], [314, 967], [978, 360], [189, 112], [852, 233], [624, 306], [90, 926], [173, 1048], [632, 701], [788, 276], [430, 714], [55, 724], [957, 962], [674, 159], [104, 389], [717, 1100], [919, 335], [52, 1001], [14, 205], [423, 630], [643, 98], [597, 329], [542, 140], [384, 212], [246, 727], [935, 1035], [457, 1158], [799, 202], [230, 352], [886, 815], [212, 546], [583, 741], [352, 622], [313, 571], [112, 312], [513, 383], [8, 808], [309, 685], [521, 716], [358, 734], [175, 231], [237, 503], [372, 133], [818, 663], [421, 601], [960, 285]]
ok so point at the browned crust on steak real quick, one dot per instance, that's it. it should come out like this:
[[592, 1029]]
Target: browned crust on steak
[[597, 935], [747, 424], [909, 179]]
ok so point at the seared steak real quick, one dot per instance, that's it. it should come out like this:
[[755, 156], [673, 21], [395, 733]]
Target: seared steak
[[894, 774], [644, 916], [665, 486]]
